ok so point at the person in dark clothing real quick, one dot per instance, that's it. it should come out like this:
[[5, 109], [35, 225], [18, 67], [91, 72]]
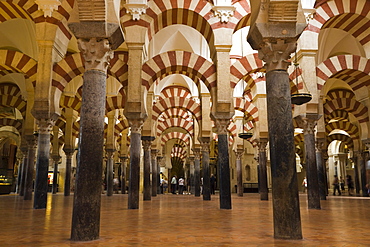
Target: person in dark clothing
[[336, 185], [350, 185]]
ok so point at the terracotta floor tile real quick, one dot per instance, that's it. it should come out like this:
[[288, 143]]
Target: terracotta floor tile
[[173, 220]]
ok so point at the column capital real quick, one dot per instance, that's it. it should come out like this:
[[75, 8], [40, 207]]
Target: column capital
[[320, 144], [204, 146], [146, 144], [31, 141], [196, 152], [239, 153], [224, 12], [136, 125], [221, 125], [45, 126], [96, 52], [154, 153], [109, 152], [277, 54], [262, 143]]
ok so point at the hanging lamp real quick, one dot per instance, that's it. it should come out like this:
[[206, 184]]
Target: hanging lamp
[[245, 135], [300, 98]]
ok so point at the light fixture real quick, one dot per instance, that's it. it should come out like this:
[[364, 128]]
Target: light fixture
[[300, 98], [245, 135]]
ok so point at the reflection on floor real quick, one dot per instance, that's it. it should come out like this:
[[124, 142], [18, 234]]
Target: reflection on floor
[[185, 220]]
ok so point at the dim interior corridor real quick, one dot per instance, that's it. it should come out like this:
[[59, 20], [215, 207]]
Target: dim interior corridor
[[184, 220]]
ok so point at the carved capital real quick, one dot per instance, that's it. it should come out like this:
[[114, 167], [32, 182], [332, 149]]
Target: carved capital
[[154, 153], [277, 54], [221, 125], [262, 143], [196, 153], [109, 153], [224, 12], [239, 153], [96, 52], [308, 126], [31, 141], [136, 10], [48, 6], [320, 144], [136, 125], [45, 126], [146, 144], [205, 146]]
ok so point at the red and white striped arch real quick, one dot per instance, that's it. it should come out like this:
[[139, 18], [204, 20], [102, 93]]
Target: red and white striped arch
[[179, 62], [116, 102], [352, 69], [175, 92], [247, 107], [352, 16], [175, 122], [175, 113], [344, 99], [15, 102], [298, 138], [11, 122], [348, 127], [176, 102], [70, 102], [176, 135], [17, 62], [178, 152], [242, 67], [340, 137]]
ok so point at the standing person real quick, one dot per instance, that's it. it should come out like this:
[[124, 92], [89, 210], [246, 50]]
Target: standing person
[[341, 183], [336, 185], [115, 185], [213, 184], [173, 184], [350, 185], [181, 185], [304, 184]]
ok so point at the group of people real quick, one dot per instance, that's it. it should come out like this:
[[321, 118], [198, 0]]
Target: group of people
[[338, 184], [179, 186]]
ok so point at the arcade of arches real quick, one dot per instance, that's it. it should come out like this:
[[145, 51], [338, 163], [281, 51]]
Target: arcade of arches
[[141, 90]]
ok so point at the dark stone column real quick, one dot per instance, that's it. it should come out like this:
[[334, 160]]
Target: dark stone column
[[223, 163], [287, 220], [320, 168], [357, 164], [42, 165], [67, 179], [262, 161], [56, 159], [123, 174], [159, 161], [192, 170], [365, 156], [205, 168], [23, 171], [110, 153], [313, 194], [87, 195], [196, 172], [155, 173], [239, 171], [134, 181], [147, 142], [28, 184]]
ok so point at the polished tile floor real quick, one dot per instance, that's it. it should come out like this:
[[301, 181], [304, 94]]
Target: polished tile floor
[[184, 220]]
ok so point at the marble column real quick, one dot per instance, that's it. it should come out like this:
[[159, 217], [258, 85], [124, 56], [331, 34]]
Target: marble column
[[22, 172], [159, 160], [42, 164], [313, 194], [123, 174], [321, 174], [357, 164], [239, 171], [29, 169], [87, 194], [67, 178], [205, 168], [196, 172], [192, 170], [110, 153], [147, 142], [262, 161], [56, 159], [155, 173], [286, 211], [134, 181], [365, 156], [223, 163]]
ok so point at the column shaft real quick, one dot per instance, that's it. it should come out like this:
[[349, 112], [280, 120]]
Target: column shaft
[[239, 177], [224, 171], [23, 175], [55, 177], [42, 168], [67, 181], [155, 174], [28, 184], [87, 195], [197, 175], [110, 173], [147, 186], [262, 160], [286, 212], [320, 170], [134, 181], [206, 173], [363, 174]]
